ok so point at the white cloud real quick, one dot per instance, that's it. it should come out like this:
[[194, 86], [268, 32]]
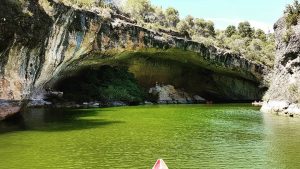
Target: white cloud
[[222, 23]]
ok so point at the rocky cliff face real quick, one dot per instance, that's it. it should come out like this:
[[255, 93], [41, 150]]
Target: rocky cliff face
[[283, 96], [41, 38]]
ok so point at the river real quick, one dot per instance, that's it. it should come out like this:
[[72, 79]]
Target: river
[[185, 136]]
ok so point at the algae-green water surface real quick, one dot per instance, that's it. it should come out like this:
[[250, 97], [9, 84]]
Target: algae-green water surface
[[185, 136]]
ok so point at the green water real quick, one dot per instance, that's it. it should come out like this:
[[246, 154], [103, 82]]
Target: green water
[[185, 136]]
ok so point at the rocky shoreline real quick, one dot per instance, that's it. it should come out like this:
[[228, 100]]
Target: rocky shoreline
[[162, 94], [168, 94], [282, 108], [99, 104], [9, 108]]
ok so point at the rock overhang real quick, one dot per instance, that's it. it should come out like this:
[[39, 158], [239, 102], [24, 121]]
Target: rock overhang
[[59, 37]]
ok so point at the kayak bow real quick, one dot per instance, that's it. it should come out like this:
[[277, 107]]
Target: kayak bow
[[160, 164]]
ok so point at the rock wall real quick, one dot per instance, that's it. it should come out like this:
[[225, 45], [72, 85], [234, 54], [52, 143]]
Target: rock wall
[[168, 94], [41, 38], [191, 77], [51, 37], [283, 95]]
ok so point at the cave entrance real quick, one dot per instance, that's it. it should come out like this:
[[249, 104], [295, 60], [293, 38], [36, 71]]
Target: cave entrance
[[130, 83], [102, 84]]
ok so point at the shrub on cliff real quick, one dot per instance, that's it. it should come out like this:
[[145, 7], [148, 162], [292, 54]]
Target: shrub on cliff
[[260, 34], [230, 30], [259, 48], [292, 13], [183, 26], [204, 28], [172, 16], [254, 44], [245, 29], [139, 9]]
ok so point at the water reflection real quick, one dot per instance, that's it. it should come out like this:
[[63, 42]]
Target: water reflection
[[282, 140], [54, 120], [186, 136]]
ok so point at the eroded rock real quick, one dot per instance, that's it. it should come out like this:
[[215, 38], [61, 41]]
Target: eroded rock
[[9, 108], [283, 95], [168, 94]]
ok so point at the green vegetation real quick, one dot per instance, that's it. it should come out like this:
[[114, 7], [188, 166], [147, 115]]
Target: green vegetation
[[89, 3], [139, 9], [294, 93], [230, 30], [169, 56], [105, 84], [182, 69], [83, 3], [292, 15], [245, 30], [172, 16], [253, 44], [287, 35]]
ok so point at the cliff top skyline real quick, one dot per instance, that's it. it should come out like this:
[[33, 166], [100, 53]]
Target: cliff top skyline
[[260, 13]]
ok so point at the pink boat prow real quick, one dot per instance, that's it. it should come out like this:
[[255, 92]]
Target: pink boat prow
[[160, 164]]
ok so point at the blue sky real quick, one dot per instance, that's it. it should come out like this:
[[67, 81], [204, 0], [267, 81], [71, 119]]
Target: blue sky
[[260, 13]]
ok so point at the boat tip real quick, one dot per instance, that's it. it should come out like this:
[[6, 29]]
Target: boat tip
[[160, 164]]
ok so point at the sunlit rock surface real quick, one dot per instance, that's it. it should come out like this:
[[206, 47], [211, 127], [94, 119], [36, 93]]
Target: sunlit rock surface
[[168, 94], [284, 91]]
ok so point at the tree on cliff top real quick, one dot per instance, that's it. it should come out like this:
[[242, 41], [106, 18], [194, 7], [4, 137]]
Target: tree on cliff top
[[183, 26], [260, 34], [230, 30], [245, 40], [139, 9], [245, 29], [292, 13], [204, 28], [172, 16]]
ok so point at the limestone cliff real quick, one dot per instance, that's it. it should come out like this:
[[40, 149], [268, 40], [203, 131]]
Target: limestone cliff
[[283, 96], [39, 39]]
